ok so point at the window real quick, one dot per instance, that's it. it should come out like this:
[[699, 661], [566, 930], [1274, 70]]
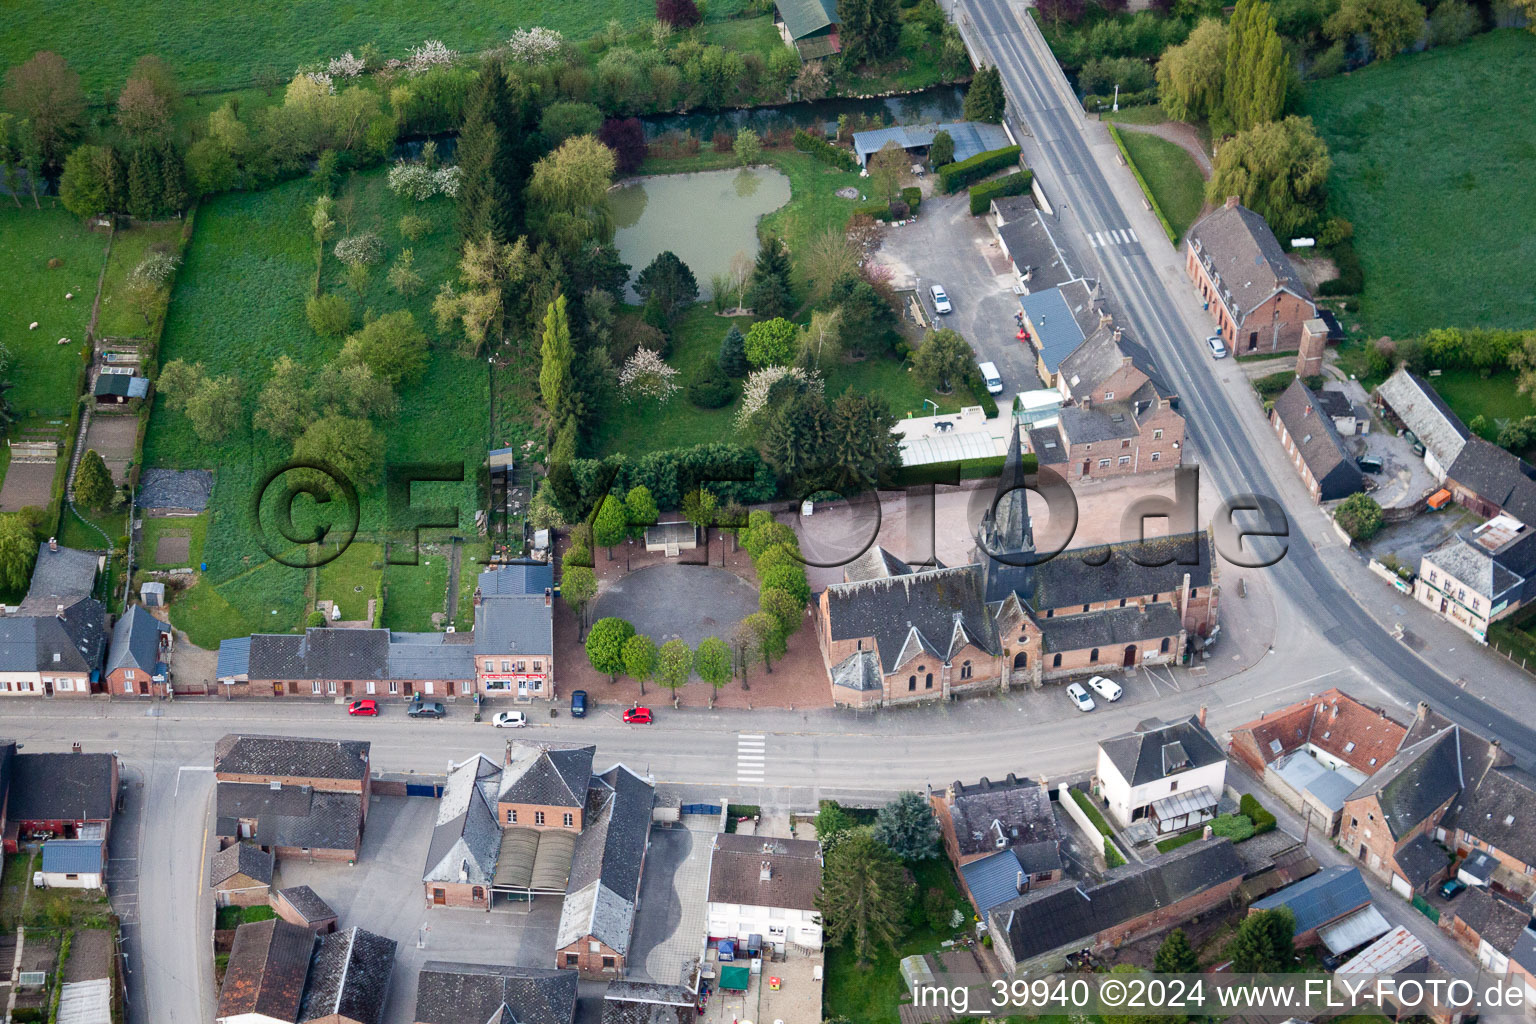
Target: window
[[538, 817], [511, 816], [1109, 396], [965, 670], [1461, 593], [928, 681], [1056, 661], [1353, 822], [1124, 444], [911, 683], [1173, 787], [570, 959], [1050, 613], [330, 686], [1157, 456], [858, 645], [1124, 460], [1164, 646], [426, 688], [506, 665], [67, 875], [1194, 592], [1157, 435], [1122, 602], [1103, 463], [1349, 748], [127, 673], [1093, 655], [394, 687], [128, 687], [570, 820], [477, 893], [609, 963], [314, 687], [490, 664], [538, 666], [1086, 607], [372, 686]]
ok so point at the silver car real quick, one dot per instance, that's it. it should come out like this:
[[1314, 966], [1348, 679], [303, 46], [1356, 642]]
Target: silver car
[[940, 300]]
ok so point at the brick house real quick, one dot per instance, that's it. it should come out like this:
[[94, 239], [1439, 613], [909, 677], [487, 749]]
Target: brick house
[[891, 633], [241, 875], [136, 660], [545, 786], [453, 993], [466, 841], [598, 915], [1033, 933], [1489, 927], [514, 641], [1056, 322], [61, 796], [1489, 480], [1314, 446], [1001, 837], [1479, 575], [282, 973], [1313, 754], [301, 905], [326, 663], [1388, 824], [296, 797], [1253, 292]]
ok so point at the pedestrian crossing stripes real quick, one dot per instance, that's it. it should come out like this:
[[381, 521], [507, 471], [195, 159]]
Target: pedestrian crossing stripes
[[1118, 236], [751, 757]]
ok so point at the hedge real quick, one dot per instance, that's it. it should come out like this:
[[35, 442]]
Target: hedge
[[1094, 815], [983, 396], [1015, 184], [1169, 845], [912, 196], [1270, 387], [1145, 98], [1351, 279], [952, 471], [734, 473], [1112, 858], [1262, 820], [954, 177], [821, 149], [1236, 827], [1146, 190]]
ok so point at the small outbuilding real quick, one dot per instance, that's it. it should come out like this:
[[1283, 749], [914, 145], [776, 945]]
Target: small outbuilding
[[670, 538], [301, 905], [74, 864], [241, 875]]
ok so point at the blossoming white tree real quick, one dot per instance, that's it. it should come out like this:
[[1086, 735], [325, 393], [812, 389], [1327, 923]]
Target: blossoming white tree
[[646, 375], [429, 55], [345, 66], [754, 394], [535, 46], [360, 250]]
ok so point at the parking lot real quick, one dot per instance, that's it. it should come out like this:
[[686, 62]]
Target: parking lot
[[383, 894], [674, 892]]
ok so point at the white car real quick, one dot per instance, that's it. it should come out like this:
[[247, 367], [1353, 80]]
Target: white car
[[940, 300], [510, 720], [1106, 688], [991, 378], [1217, 346], [1080, 697]]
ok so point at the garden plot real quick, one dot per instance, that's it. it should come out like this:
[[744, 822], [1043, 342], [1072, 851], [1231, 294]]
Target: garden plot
[[26, 484], [112, 437]]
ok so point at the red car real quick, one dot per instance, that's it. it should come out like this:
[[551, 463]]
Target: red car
[[638, 715], [363, 707]]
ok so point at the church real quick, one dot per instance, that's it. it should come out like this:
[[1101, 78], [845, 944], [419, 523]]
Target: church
[[892, 632]]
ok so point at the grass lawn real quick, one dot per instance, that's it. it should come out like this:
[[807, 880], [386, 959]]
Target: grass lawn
[[417, 592], [237, 306], [349, 579], [1171, 174], [117, 318], [1434, 172], [194, 528], [870, 995], [1470, 394], [76, 534], [45, 372]]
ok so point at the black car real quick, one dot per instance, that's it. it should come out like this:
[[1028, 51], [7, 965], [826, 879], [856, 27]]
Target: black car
[[578, 703], [427, 709], [1368, 463]]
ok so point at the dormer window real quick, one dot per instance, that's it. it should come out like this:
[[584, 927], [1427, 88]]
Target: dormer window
[[1349, 748], [1109, 396]]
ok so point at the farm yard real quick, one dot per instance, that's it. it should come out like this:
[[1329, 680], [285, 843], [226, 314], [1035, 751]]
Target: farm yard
[[1434, 172]]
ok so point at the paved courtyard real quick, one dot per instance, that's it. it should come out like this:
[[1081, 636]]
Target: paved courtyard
[[671, 918], [677, 600], [383, 894]]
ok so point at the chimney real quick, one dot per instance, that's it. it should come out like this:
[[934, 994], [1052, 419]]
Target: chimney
[[75, 746], [1086, 402], [1207, 833], [1309, 352], [765, 872], [1125, 361], [984, 784], [1013, 780], [53, 543], [478, 597], [1231, 202], [58, 610], [1202, 716], [1018, 882], [548, 593], [1422, 712]]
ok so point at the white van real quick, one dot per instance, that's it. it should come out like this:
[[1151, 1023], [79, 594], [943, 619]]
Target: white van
[[993, 380]]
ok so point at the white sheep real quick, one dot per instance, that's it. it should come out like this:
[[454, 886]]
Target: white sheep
[[33, 327], [69, 295]]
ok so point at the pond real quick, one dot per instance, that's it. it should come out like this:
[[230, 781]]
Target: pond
[[705, 218]]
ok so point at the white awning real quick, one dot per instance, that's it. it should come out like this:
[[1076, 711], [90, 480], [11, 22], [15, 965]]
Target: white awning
[[1195, 801], [1357, 929]]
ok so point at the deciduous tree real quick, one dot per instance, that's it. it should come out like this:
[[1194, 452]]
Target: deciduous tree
[[46, 92], [944, 360], [146, 108], [605, 645], [626, 137], [578, 586], [888, 171], [392, 346], [1189, 76], [285, 407], [18, 550], [611, 525], [568, 194], [329, 315], [864, 896], [1257, 70], [674, 664], [353, 446], [771, 342], [640, 659], [214, 408], [1279, 170], [712, 661], [556, 384], [1391, 25]]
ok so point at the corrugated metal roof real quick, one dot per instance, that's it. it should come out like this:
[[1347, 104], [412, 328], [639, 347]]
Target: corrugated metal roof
[[86, 1002], [234, 658], [72, 857], [992, 880], [1360, 927], [970, 137], [1394, 951], [1327, 895]]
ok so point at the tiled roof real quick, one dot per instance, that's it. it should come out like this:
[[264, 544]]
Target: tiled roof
[[457, 993], [349, 977], [1109, 627], [293, 816], [1496, 921], [267, 967], [1361, 736], [1323, 897], [307, 903], [61, 787], [605, 873], [430, 656], [876, 563], [41, 639], [1094, 361], [632, 1002], [934, 612], [512, 624], [136, 641], [1498, 807], [291, 757], [549, 775], [860, 672], [321, 653], [175, 488], [1424, 412], [1422, 859], [1497, 476], [1248, 258], [243, 858], [1017, 811], [1315, 437], [1082, 576], [1416, 781], [736, 869], [1139, 755], [59, 577]]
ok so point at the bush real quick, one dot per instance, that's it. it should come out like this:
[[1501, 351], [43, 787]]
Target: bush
[[982, 395], [1359, 516], [1112, 858], [1095, 101], [1083, 800], [1351, 279], [954, 177], [709, 388], [315, 618], [1270, 387], [1262, 820], [330, 315], [1015, 184], [879, 211], [1102, 74], [912, 196], [1235, 827], [821, 149]]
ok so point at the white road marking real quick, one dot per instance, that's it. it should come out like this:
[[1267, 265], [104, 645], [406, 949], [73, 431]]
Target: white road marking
[[1100, 236], [751, 757], [1132, 234]]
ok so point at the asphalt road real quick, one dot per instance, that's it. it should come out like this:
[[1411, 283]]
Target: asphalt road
[[1163, 312]]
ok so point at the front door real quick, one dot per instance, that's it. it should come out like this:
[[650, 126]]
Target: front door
[[346, 688], [439, 897], [409, 689], [47, 687], [144, 688], [1087, 464], [1130, 655]]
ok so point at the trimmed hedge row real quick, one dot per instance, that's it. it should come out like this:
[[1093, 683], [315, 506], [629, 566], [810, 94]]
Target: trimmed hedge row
[[950, 472], [912, 196], [1262, 820], [954, 177], [1146, 189], [821, 149], [1015, 184], [1145, 98], [983, 396]]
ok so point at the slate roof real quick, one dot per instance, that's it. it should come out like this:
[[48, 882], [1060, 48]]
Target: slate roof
[[349, 977], [1093, 362], [1109, 627], [466, 838], [293, 816], [234, 658], [1424, 412], [136, 641], [73, 856], [187, 489], [521, 577], [1056, 333], [1416, 781], [1361, 736], [430, 656], [267, 967], [875, 563], [1068, 914], [630, 1002], [936, 612], [243, 858], [1018, 811], [321, 653], [1498, 807], [1475, 567], [1496, 921], [58, 577], [1497, 476], [291, 757], [512, 624], [66, 787], [1422, 859], [735, 870], [1047, 444], [42, 640], [1315, 437], [605, 873], [802, 17], [1249, 260], [549, 775], [1524, 951], [455, 993], [992, 880], [1138, 755], [1030, 245], [1075, 576], [307, 903], [1098, 422], [1320, 898], [860, 671], [1334, 403]]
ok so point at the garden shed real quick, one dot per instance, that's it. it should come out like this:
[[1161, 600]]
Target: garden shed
[[671, 538]]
